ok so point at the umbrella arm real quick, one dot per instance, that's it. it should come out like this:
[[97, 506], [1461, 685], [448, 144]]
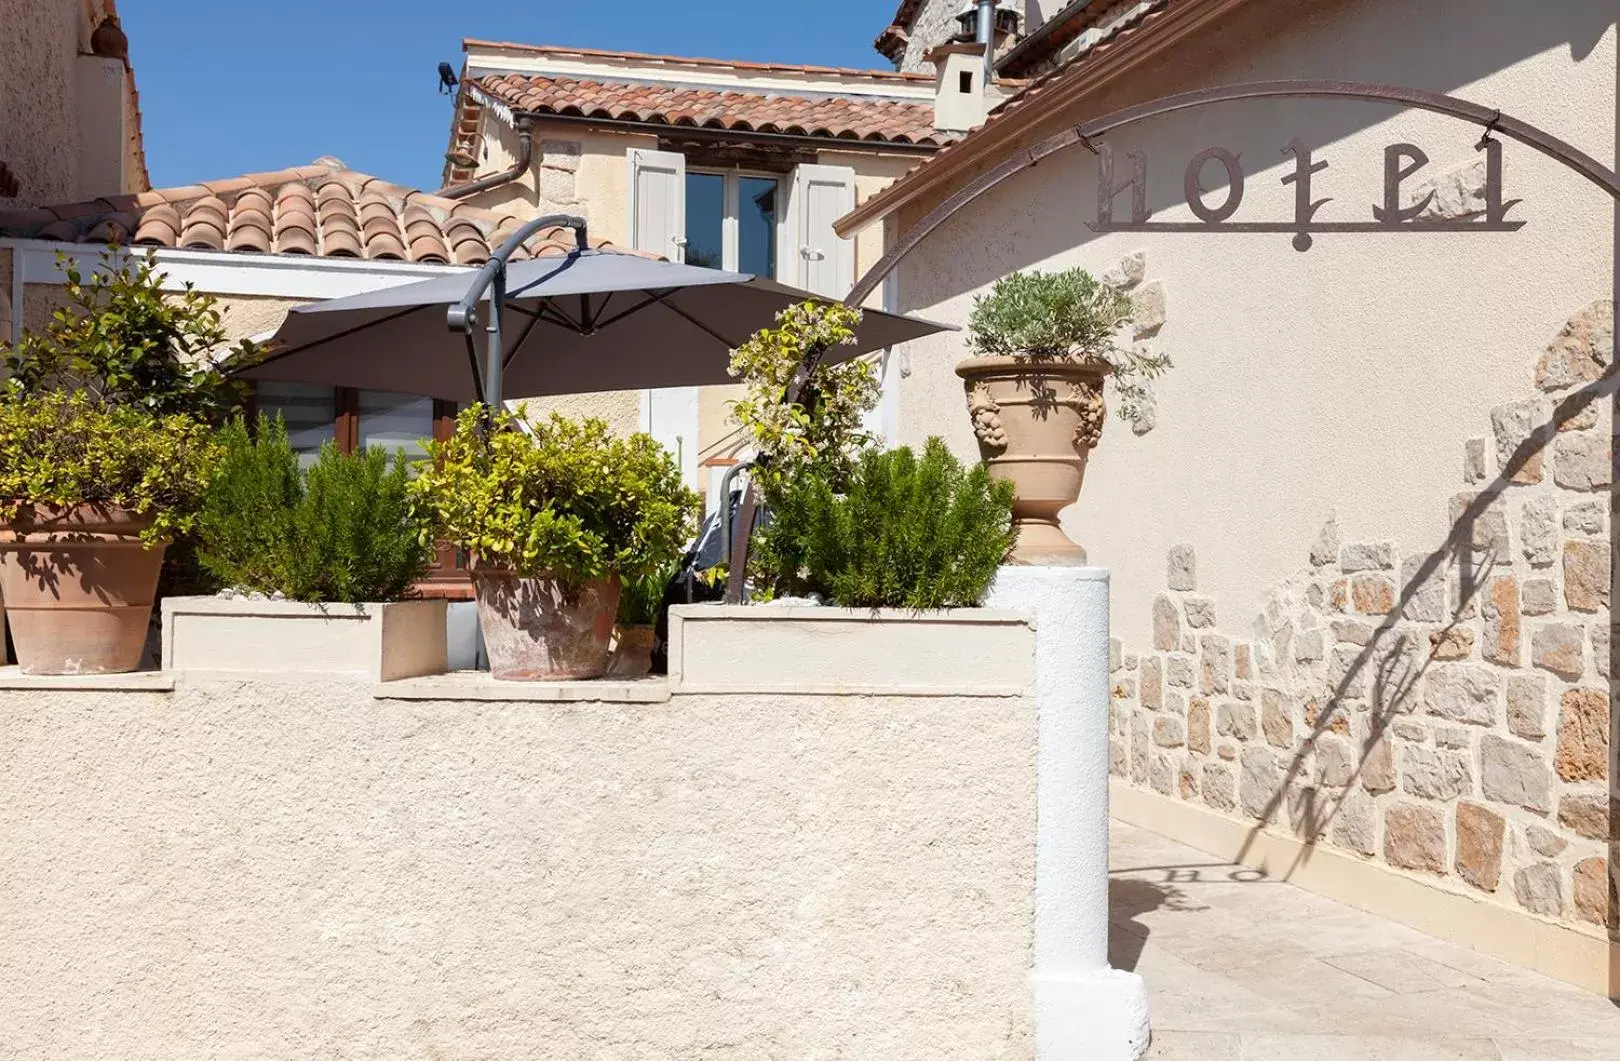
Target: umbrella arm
[[463, 316]]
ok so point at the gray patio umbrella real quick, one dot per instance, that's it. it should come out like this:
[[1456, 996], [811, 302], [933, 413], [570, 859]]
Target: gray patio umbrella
[[591, 320]]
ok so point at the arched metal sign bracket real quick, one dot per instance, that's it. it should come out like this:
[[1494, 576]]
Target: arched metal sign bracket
[[1490, 119], [1391, 216]]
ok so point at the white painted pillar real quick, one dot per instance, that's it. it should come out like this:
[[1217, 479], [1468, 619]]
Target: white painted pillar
[[1084, 1011]]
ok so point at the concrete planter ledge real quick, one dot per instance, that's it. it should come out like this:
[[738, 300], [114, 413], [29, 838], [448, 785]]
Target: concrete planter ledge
[[962, 652], [12, 678], [479, 686], [270, 639]]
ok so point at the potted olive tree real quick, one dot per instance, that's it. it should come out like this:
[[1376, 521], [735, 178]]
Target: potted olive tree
[[552, 519], [1045, 344], [105, 451]]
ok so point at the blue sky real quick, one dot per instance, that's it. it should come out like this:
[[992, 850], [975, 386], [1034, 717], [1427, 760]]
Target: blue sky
[[230, 88]]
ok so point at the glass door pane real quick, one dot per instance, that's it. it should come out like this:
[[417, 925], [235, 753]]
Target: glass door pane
[[308, 410], [706, 220], [756, 226], [395, 422]]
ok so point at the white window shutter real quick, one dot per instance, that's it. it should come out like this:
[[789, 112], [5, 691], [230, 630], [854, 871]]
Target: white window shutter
[[658, 203], [821, 195], [658, 225]]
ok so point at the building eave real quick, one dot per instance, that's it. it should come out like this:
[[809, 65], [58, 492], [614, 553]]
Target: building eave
[[1040, 104]]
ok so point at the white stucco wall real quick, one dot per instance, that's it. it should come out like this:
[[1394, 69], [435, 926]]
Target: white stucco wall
[[292, 871], [1345, 379]]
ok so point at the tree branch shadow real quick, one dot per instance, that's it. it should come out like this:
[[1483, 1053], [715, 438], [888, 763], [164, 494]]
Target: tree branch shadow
[[1385, 659]]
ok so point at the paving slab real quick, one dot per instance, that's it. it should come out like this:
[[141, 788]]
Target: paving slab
[[1241, 967]]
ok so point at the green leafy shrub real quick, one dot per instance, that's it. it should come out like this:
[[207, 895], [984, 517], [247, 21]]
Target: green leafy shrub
[[342, 531], [642, 598], [59, 450], [907, 532], [567, 500], [1066, 315], [124, 341], [823, 431]]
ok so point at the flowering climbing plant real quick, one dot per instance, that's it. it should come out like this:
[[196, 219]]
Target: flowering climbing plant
[[823, 432]]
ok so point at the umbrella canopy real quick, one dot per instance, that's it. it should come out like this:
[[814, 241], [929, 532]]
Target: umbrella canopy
[[592, 320]]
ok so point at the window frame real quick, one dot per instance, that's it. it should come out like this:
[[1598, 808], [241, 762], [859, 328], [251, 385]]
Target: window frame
[[731, 213], [448, 576]]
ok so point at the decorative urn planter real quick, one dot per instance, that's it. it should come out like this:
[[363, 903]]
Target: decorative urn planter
[[1036, 421], [78, 585], [632, 650], [534, 631]]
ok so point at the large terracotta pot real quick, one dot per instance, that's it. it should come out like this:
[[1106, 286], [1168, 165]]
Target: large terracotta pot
[[78, 586], [1036, 422], [536, 632], [632, 650]]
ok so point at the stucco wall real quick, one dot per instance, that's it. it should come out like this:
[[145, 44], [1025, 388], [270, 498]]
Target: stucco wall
[[1344, 379], [37, 106], [1361, 562], [302, 871], [243, 316]]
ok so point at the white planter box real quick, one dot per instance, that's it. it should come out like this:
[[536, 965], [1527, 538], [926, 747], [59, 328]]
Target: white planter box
[[381, 642], [831, 651]]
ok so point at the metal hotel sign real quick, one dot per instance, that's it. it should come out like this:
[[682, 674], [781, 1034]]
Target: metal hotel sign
[[1401, 163]]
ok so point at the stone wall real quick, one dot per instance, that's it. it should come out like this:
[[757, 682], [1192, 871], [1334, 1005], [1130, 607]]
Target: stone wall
[[936, 24], [1442, 708]]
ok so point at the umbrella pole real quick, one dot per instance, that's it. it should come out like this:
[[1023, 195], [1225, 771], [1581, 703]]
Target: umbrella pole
[[495, 350], [463, 315]]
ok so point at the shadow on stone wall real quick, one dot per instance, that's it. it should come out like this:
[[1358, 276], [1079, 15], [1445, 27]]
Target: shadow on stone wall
[[1476, 546], [1446, 712]]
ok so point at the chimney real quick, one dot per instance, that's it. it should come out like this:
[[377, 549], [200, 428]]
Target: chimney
[[961, 98], [984, 32], [103, 135]]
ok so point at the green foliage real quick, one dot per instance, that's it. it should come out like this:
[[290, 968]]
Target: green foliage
[[642, 598], [341, 532], [59, 449], [568, 500], [908, 532], [124, 341], [1071, 314], [825, 433]]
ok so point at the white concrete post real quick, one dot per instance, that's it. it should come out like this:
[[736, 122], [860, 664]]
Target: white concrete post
[[1084, 1011]]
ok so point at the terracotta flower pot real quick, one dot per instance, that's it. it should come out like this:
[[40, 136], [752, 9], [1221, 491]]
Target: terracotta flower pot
[[632, 650], [78, 586], [536, 632], [1036, 422]]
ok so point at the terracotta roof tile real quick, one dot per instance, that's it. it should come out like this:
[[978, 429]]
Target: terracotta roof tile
[[318, 210], [873, 119]]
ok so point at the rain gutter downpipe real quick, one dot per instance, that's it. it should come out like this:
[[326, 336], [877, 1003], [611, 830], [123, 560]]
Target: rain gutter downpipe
[[525, 132], [463, 316]]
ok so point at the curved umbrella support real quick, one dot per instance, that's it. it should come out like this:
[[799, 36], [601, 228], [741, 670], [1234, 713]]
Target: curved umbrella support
[[463, 316]]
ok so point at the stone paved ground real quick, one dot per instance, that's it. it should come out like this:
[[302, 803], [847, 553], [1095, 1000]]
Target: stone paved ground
[[1241, 968]]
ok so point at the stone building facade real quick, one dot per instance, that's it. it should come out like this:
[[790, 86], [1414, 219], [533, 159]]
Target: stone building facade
[[1441, 708], [920, 27]]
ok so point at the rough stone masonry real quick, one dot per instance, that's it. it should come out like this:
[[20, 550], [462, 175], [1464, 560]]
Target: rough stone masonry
[[1440, 707]]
